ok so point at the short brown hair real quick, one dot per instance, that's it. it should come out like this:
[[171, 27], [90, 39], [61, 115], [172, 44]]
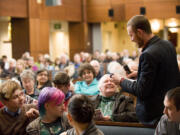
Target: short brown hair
[[61, 78], [8, 88], [174, 95], [86, 66], [140, 22], [81, 108]]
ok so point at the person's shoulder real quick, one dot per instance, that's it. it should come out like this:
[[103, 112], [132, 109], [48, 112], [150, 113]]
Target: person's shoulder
[[100, 132], [34, 124], [164, 118]]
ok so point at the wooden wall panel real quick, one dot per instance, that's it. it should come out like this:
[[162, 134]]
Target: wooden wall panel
[[33, 9], [68, 11], [20, 37], [14, 8], [161, 9], [39, 36], [78, 37], [97, 10]]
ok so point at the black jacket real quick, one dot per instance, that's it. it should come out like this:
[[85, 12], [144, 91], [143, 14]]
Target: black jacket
[[157, 73]]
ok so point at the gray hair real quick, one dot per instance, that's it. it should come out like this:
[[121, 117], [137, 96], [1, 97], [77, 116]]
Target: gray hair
[[101, 82], [27, 74]]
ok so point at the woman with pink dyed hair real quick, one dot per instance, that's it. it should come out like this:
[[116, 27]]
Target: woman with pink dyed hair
[[51, 109]]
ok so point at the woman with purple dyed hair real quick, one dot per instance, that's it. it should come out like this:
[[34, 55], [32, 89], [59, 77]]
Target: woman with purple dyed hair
[[51, 108]]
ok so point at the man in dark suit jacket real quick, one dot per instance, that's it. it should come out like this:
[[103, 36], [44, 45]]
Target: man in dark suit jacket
[[157, 72]]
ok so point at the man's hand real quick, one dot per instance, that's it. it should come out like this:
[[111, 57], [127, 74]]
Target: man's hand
[[117, 78], [32, 113], [132, 75]]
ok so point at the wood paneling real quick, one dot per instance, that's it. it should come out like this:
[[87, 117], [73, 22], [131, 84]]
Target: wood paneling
[[33, 9], [39, 36], [161, 9], [68, 11], [78, 38], [97, 10], [14, 8], [20, 37]]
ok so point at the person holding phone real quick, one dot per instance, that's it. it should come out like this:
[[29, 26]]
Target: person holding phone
[[111, 105], [157, 71]]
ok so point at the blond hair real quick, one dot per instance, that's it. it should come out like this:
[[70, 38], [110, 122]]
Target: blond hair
[[8, 88]]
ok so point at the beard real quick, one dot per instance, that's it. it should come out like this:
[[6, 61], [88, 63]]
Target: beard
[[140, 42]]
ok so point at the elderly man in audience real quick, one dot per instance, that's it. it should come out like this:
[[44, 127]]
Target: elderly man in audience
[[111, 105], [62, 82], [80, 116], [97, 68], [15, 115], [89, 85], [170, 121], [28, 82], [51, 109]]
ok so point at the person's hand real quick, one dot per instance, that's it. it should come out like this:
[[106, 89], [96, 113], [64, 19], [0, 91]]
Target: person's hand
[[116, 78], [106, 118], [32, 113], [132, 75]]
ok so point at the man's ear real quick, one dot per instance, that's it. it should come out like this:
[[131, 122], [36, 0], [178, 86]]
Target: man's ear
[[139, 32]]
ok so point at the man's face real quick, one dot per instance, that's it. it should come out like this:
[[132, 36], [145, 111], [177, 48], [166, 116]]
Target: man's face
[[16, 101], [171, 111], [135, 36], [108, 87]]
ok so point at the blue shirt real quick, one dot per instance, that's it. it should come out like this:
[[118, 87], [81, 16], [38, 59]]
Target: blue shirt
[[81, 87]]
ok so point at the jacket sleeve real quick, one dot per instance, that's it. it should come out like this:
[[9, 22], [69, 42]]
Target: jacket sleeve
[[146, 77], [124, 111], [32, 128]]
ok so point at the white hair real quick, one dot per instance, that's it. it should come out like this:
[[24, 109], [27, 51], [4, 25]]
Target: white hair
[[116, 68]]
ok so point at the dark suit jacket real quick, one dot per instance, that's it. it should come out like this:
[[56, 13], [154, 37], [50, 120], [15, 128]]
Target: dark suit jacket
[[157, 73]]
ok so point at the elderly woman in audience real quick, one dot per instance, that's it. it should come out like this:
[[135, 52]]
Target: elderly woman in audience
[[42, 77], [51, 109], [89, 85], [62, 82], [111, 105], [80, 116], [15, 115], [28, 82]]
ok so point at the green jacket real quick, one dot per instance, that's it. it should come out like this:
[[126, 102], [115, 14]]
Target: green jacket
[[34, 127]]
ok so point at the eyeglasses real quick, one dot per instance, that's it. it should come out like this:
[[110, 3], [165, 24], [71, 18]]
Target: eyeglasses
[[21, 94]]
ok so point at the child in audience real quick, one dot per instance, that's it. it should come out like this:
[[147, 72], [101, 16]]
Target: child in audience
[[15, 115]]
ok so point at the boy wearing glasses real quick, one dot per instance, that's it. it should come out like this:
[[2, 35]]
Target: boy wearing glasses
[[14, 116]]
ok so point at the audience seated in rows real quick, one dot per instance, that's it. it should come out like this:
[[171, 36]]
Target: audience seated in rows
[[15, 115], [62, 82], [28, 82], [80, 117], [169, 123], [89, 85], [113, 105], [42, 77], [51, 109]]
